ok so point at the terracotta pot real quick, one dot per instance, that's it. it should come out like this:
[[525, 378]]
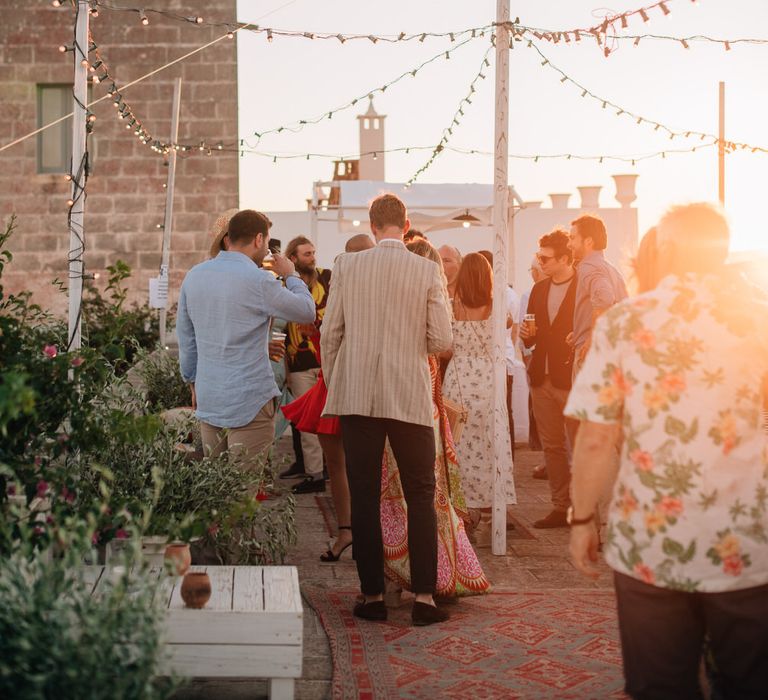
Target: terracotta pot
[[179, 557], [196, 589]]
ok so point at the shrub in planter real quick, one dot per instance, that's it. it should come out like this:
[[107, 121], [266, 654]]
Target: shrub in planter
[[56, 639], [155, 484], [161, 377]]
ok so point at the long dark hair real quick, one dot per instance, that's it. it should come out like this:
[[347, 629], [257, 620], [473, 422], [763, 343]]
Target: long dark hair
[[474, 283]]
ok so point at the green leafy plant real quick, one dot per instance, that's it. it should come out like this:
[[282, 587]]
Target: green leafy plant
[[114, 328], [57, 640], [151, 473], [161, 378]]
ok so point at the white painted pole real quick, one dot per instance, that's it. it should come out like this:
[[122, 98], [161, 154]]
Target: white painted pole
[[502, 464], [313, 214], [168, 220], [77, 171]]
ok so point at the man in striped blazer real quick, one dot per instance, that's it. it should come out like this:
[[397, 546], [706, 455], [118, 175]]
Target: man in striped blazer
[[387, 311]]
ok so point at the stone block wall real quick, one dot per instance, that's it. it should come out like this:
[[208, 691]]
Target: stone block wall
[[125, 192]]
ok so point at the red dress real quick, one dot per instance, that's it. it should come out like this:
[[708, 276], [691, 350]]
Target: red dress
[[306, 411]]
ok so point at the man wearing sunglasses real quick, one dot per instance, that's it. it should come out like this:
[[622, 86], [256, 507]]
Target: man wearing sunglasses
[[552, 303]]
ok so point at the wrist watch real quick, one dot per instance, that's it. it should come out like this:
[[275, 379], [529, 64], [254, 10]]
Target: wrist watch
[[571, 519]]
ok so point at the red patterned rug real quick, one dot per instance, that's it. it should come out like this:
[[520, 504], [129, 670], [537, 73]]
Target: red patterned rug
[[534, 644]]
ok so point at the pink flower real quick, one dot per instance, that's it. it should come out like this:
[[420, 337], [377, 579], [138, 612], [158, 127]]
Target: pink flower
[[38, 530], [621, 382], [733, 565], [673, 383], [67, 495], [50, 351], [262, 495], [213, 529], [121, 534], [77, 361], [42, 489], [645, 573], [49, 519], [11, 489], [644, 338], [671, 507], [95, 538], [642, 460], [62, 438]]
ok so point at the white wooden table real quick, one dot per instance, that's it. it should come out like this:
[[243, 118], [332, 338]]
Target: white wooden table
[[251, 626]]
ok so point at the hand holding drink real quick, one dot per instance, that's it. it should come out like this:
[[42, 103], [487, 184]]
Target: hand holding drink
[[277, 346], [529, 326], [282, 266]]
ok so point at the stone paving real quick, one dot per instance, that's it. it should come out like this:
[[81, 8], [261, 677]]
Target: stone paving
[[534, 559]]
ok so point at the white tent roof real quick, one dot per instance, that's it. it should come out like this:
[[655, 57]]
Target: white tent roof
[[430, 206]]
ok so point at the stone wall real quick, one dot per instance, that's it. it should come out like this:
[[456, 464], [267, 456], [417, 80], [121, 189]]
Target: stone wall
[[126, 195]]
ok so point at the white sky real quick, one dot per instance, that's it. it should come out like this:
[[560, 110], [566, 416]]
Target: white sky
[[292, 79]]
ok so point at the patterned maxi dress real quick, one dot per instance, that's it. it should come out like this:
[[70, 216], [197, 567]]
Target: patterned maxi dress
[[469, 382], [458, 569]]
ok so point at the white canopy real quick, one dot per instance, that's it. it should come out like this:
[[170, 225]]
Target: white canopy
[[430, 206]]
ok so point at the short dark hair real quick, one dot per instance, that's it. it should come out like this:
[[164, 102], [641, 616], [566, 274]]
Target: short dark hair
[[387, 210], [474, 283], [591, 226], [557, 239], [246, 225]]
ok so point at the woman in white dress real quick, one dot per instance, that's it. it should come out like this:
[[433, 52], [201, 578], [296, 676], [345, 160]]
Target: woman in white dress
[[469, 382]]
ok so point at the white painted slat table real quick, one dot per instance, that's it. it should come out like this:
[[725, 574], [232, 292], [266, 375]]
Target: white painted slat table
[[251, 626]]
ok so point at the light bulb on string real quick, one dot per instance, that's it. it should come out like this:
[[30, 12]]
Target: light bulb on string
[[143, 18], [269, 35], [56, 3]]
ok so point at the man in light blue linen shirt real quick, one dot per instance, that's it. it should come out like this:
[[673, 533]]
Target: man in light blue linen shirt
[[225, 309]]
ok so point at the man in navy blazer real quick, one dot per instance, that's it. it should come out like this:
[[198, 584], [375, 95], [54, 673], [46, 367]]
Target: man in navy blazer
[[549, 371]]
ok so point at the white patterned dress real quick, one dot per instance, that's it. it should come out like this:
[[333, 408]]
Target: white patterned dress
[[469, 382]]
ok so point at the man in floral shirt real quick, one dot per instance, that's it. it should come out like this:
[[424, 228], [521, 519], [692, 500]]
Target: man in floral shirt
[[679, 375]]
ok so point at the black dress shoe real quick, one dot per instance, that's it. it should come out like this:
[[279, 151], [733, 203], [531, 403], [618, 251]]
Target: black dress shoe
[[309, 485], [557, 518], [424, 614], [375, 611], [295, 471]]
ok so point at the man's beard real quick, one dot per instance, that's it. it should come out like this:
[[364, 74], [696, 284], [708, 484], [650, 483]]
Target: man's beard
[[305, 269]]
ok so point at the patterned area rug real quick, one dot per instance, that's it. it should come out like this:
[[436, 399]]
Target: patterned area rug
[[539, 644], [325, 506]]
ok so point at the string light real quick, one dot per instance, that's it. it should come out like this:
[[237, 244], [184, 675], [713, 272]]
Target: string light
[[448, 132], [299, 125], [624, 111], [373, 38], [143, 18]]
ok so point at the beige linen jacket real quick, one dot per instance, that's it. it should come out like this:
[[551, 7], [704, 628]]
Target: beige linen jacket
[[386, 313]]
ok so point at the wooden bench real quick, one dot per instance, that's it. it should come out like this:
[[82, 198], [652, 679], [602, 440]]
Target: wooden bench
[[251, 627]]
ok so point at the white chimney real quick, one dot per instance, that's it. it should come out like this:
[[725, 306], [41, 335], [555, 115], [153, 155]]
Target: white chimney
[[625, 189], [590, 197], [560, 201]]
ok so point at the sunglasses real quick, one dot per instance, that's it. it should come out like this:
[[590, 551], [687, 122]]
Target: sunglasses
[[544, 258]]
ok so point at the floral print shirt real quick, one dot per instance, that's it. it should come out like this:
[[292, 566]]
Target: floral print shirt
[[683, 368]]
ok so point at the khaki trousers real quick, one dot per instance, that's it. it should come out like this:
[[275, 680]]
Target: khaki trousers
[[548, 405], [300, 383], [252, 440]]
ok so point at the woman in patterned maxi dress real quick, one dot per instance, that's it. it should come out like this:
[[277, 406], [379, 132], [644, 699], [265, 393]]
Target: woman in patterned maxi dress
[[458, 569], [469, 380]]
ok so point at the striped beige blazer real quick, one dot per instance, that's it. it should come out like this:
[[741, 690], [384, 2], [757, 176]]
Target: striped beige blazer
[[386, 313]]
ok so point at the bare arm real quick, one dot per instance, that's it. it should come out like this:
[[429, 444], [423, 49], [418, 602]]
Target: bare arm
[[594, 470]]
